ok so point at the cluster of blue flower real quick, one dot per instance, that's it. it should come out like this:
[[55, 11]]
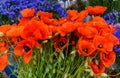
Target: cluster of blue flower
[[117, 34], [112, 17], [12, 8]]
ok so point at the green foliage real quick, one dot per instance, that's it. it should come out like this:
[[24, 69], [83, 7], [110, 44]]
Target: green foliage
[[4, 20], [110, 4], [46, 63]]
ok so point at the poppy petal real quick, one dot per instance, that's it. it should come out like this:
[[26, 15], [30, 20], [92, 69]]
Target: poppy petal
[[107, 58], [27, 57], [97, 69], [3, 61]]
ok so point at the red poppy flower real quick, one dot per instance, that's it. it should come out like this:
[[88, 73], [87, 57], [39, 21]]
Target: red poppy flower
[[96, 9], [82, 15], [67, 27], [101, 43], [87, 31], [98, 22], [105, 31], [107, 58], [24, 48], [35, 29], [98, 69], [73, 14], [5, 28], [27, 12], [112, 38], [62, 21], [52, 29], [85, 47], [45, 14], [15, 31], [60, 44], [46, 20], [3, 47], [23, 21], [3, 61]]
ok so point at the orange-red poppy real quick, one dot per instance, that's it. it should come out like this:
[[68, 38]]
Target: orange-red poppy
[[73, 14], [3, 47], [55, 22], [35, 29], [44, 14], [5, 28], [101, 43], [52, 29], [96, 9], [60, 44], [107, 58], [23, 21], [112, 38], [105, 31], [98, 22], [82, 15], [3, 61], [24, 48], [67, 27], [27, 12], [15, 31], [85, 47], [87, 31], [98, 69], [62, 21], [46, 20]]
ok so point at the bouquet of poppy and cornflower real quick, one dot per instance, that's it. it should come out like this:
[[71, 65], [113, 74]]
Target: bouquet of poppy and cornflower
[[76, 45]]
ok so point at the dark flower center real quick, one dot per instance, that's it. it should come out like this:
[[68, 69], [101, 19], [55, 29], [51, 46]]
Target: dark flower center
[[100, 46], [99, 67], [85, 50], [26, 48], [105, 55], [61, 44]]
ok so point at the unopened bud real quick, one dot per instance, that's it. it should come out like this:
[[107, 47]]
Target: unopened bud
[[1, 34], [104, 75]]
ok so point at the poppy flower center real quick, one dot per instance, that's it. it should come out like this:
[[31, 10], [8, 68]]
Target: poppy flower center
[[99, 67], [61, 44], [26, 48], [85, 50], [100, 46], [106, 56]]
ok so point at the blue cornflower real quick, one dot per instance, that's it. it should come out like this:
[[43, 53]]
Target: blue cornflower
[[117, 33], [117, 26], [60, 10], [112, 18], [64, 0], [12, 8], [117, 48], [117, 30]]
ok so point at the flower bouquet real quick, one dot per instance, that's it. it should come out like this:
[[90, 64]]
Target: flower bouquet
[[79, 45]]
